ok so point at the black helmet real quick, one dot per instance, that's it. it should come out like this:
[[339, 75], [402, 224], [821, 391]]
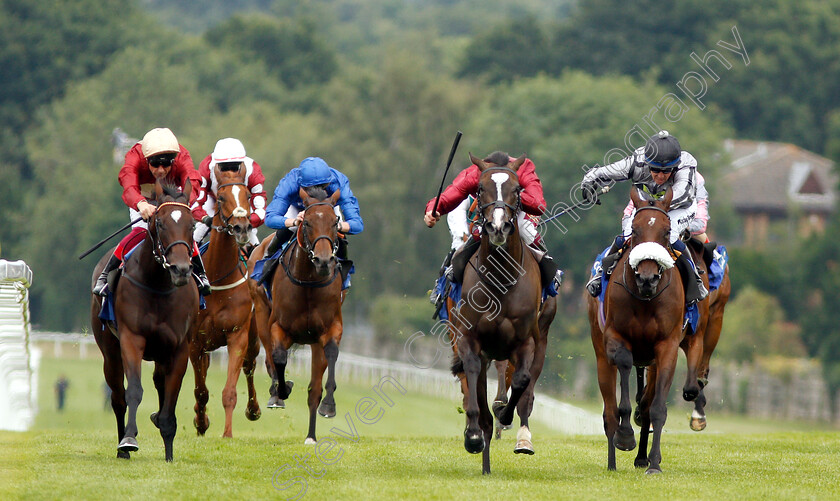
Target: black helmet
[[662, 152]]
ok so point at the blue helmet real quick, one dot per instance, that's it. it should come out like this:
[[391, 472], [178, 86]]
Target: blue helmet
[[314, 171]]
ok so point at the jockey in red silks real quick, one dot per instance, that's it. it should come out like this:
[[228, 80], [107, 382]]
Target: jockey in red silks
[[229, 155], [158, 155], [466, 185]]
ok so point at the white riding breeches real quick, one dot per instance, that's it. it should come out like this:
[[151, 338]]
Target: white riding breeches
[[680, 219]]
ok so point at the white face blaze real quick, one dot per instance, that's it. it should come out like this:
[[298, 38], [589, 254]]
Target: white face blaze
[[176, 215], [239, 211], [652, 221], [499, 178]]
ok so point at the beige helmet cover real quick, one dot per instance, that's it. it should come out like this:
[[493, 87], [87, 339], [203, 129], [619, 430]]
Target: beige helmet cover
[[158, 141]]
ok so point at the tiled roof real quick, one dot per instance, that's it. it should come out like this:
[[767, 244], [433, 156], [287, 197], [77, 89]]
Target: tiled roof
[[775, 177]]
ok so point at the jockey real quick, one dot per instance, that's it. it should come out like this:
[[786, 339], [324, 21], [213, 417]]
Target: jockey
[[285, 211], [659, 165], [229, 155], [697, 226], [454, 201], [158, 155]]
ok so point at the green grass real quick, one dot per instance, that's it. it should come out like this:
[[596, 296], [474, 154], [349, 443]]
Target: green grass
[[415, 451]]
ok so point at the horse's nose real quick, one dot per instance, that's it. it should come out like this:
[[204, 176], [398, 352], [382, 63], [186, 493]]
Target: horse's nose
[[647, 284], [507, 228], [323, 264]]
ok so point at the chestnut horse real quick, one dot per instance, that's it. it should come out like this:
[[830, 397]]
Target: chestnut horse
[[642, 326], [227, 319], [156, 306], [305, 306], [498, 318]]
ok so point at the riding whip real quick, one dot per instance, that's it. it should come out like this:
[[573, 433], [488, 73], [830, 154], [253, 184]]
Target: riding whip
[[109, 237], [603, 190], [448, 163]]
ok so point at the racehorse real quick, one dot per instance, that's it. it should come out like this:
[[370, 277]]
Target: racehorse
[[641, 325], [155, 307], [226, 321], [701, 345], [306, 304], [498, 320]]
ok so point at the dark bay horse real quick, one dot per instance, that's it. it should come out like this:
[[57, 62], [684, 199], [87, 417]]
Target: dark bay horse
[[227, 319], [498, 318], [156, 306], [305, 306], [641, 326]]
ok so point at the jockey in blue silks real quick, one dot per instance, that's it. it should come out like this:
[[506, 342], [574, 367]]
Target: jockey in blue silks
[[285, 211], [659, 165]]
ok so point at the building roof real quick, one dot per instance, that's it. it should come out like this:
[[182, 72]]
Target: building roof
[[776, 177]]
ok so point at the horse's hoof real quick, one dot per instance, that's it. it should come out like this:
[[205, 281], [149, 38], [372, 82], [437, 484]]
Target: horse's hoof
[[253, 415], [200, 428], [128, 444], [474, 443], [653, 471], [624, 442], [637, 416], [310, 441], [326, 410], [524, 447], [123, 455], [698, 424], [275, 403]]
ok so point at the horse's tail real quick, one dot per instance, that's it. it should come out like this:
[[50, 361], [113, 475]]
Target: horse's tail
[[457, 366]]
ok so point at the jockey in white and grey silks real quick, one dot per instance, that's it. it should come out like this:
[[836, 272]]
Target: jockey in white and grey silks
[[659, 165]]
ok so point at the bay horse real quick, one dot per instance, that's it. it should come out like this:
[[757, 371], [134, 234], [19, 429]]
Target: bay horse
[[499, 318], [227, 319], [305, 305], [155, 306], [641, 325]]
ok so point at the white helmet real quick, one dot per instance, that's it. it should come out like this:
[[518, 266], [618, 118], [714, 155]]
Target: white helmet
[[228, 150], [158, 141]]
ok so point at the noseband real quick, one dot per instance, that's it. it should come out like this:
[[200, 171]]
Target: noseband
[[226, 227], [661, 268], [309, 246], [158, 251]]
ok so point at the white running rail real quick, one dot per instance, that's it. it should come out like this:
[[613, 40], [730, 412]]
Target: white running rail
[[18, 359]]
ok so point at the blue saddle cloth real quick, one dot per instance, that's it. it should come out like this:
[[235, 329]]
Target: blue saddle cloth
[[718, 267], [455, 293], [692, 313]]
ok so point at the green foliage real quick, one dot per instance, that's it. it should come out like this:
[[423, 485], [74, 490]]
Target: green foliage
[[292, 49], [395, 318], [755, 325]]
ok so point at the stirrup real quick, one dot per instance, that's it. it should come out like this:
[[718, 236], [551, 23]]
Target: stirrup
[[203, 284], [594, 285], [101, 286]]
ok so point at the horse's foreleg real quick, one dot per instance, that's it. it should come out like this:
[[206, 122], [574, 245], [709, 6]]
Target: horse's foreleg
[[200, 363], [237, 345], [526, 403], [643, 411], [485, 418], [504, 372], [131, 350], [159, 380], [249, 366], [166, 421], [620, 356], [114, 378], [522, 360], [319, 365], [327, 408], [606, 384], [666, 362], [692, 345], [473, 439], [280, 343]]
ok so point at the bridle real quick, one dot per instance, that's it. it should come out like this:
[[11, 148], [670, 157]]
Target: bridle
[[226, 227], [499, 204], [309, 246], [661, 268], [158, 250]]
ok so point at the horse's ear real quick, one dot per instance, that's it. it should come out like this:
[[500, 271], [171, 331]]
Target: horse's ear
[[335, 196], [158, 190], [188, 189], [304, 197], [518, 162], [477, 161], [638, 202], [666, 200]]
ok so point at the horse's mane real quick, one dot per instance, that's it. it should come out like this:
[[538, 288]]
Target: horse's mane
[[170, 189], [499, 158], [318, 192]]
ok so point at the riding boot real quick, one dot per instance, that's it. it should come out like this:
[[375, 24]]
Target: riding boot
[[548, 271], [281, 236], [200, 276], [99, 288], [695, 290], [435, 296], [607, 263]]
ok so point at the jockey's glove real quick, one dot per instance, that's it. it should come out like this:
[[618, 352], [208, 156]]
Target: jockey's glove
[[589, 192], [207, 221]]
